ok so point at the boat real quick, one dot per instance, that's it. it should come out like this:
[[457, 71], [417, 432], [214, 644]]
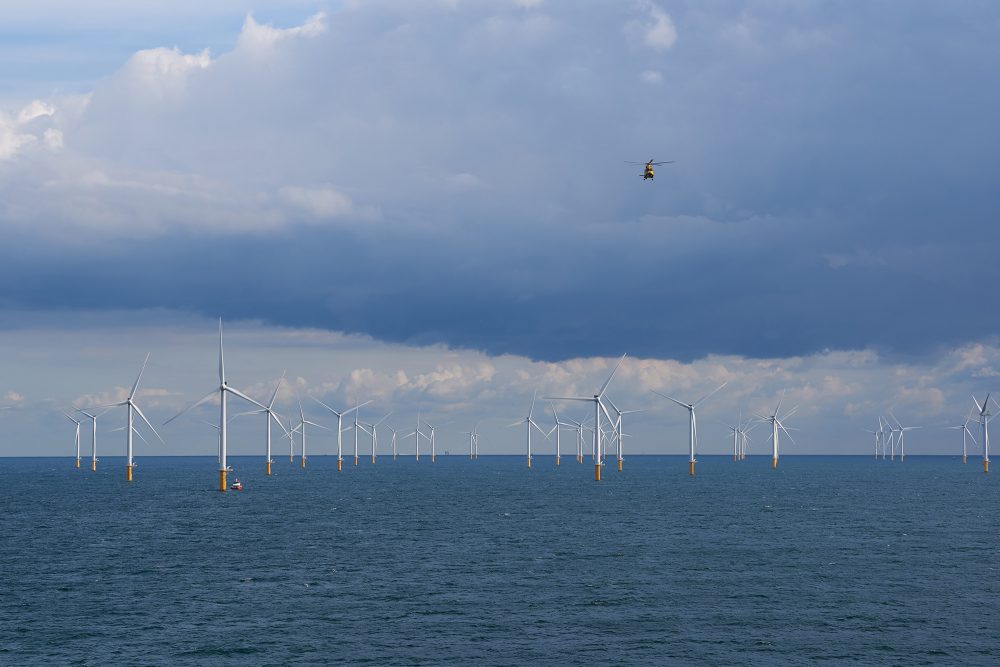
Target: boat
[[237, 485]]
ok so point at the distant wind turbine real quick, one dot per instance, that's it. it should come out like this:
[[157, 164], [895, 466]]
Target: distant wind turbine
[[598, 410], [692, 421]]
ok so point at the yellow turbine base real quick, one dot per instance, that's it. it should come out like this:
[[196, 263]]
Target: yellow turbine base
[[774, 463], [691, 468], [373, 459], [597, 472], [965, 459], [128, 473], [986, 465], [303, 462], [619, 465], [93, 465], [222, 480], [340, 465], [557, 460], [579, 459], [529, 461], [78, 463], [268, 467]]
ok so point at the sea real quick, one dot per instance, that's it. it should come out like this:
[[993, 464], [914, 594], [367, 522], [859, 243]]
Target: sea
[[826, 560]]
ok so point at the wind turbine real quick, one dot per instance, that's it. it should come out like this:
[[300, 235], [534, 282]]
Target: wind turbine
[[93, 435], [776, 424], [76, 438], [528, 423], [984, 420], [598, 409], [618, 431], [302, 433], [692, 421], [432, 441], [132, 409], [224, 390], [374, 433], [473, 438], [393, 442], [966, 433], [902, 431], [340, 429], [874, 433], [559, 424], [269, 415]]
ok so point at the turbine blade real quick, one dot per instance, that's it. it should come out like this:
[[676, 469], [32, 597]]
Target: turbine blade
[[708, 395], [192, 406], [138, 410], [222, 363], [239, 393], [358, 407], [683, 405], [135, 386], [276, 387], [604, 387]]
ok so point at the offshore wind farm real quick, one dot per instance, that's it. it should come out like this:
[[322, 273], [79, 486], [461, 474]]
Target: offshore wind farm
[[511, 332]]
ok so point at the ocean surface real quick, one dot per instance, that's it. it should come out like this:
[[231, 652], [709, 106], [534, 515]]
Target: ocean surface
[[833, 560]]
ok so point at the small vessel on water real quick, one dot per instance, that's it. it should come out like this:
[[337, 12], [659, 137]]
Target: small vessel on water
[[237, 485]]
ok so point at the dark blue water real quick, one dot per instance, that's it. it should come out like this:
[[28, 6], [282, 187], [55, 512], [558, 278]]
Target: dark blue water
[[829, 559]]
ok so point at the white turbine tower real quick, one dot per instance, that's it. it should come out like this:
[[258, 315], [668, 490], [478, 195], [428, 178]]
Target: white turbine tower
[[598, 409], [223, 391], [131, 410], [692, 421], [528, 423], [984, 420], [340, 428], [966, 434], [372, 430], [269, 414], [558, 428], [902, 432], [76, 437], [473, 441], [431, 439], [394, 454], [776, 424], [93, 435], [618, 431], [302, 433]]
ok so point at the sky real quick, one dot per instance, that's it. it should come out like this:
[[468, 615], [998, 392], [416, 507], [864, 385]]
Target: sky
[[428, 203]]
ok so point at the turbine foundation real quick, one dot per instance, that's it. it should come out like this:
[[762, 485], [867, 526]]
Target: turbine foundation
[[222, 480], [268, 468], [557, 460], [93, 465], [691, 468], [619, 465], [78, 462], [774, 463], [597, 472], [340, 465], [128, 473], [986, 465]]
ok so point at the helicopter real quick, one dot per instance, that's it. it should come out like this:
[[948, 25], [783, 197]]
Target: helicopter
[[647, 172]]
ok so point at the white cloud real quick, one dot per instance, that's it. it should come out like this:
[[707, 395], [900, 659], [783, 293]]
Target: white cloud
[[259, 36], [659, 32], [319, 202], [36, 109], [651, 76]]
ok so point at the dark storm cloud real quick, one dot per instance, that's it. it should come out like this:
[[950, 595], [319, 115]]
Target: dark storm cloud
[[425, 174]]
